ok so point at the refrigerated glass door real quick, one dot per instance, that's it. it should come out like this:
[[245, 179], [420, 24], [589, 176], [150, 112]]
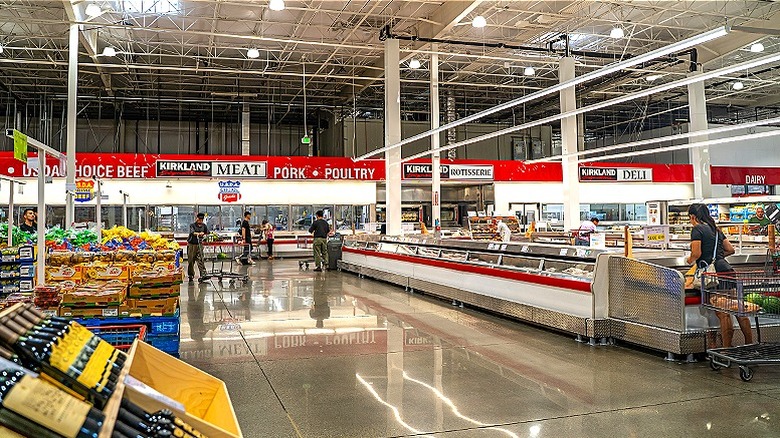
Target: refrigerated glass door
[[302, 217], [184, 215], [213, 218]]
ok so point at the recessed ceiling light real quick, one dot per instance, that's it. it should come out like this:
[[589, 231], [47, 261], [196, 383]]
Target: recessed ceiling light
[[479, 21], [738, 85], [253, 53], [276, 5], [757, 48], [93, 10], [414, 63], [529, 71], [652, 78], [617, 32], [109, 51]]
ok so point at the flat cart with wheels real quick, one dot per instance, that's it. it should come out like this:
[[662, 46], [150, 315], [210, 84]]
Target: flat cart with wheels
[[222, 256], [304, 242], [749, 294]]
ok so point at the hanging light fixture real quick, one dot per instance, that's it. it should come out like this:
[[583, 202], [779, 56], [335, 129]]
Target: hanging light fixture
[[652, 78], [109, 51], [414, 63], [529, 71], [252, 53], [479, 21], [617, 32], [276, 5], [1, 48], [737, 85], [757, 48], [93, 10]]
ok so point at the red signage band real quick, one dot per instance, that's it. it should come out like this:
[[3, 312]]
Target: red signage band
[[757, 176], [233, 167]]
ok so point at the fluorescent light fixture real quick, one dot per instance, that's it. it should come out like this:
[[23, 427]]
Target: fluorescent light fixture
[[606, 70], [276, 5], [668, 138], [93, 10], [757, 48], [414, 63], [529, 71], [479, 21], [652, 78], [617, 32], [109, 51], [253, 53], [699, 144], [737, 85], [1, 48], [644, 93]]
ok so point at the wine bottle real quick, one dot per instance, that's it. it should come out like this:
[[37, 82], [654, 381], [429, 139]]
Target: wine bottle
[[36, 353], [48, 406], [134, 413], [128, 431]]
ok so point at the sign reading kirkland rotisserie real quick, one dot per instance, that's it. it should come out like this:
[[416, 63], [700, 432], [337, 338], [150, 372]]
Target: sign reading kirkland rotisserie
[[621, 174], [448, 171]]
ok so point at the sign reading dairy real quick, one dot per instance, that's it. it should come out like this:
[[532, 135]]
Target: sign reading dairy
[[85, 191], [609, 174], [229, 191]]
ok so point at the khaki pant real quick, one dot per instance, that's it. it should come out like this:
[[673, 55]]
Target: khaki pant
[[321, 252], [195, 254]]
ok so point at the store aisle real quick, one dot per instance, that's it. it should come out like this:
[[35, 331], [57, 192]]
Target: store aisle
[[309, 354]]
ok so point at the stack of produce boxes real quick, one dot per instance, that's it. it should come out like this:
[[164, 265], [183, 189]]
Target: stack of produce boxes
[[17, 271], [120, 288]]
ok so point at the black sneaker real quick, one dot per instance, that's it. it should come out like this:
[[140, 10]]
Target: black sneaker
[[191, 279], [317, 270], [202, 280]]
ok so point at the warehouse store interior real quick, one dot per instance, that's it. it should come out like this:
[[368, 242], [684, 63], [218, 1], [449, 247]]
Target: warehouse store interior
[[390, 218]]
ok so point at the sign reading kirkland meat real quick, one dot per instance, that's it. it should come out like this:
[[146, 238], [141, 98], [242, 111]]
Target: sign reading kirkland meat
[[449, 171], [622, 174]]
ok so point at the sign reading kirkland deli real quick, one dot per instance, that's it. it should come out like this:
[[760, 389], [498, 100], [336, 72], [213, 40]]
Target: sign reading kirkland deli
[[449, 171], [623, 174], [231, 169]]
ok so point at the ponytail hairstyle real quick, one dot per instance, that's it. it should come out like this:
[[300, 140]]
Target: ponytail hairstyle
[[702, 214]]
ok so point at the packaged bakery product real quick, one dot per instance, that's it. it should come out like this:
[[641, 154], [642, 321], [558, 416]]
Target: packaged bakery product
[[82, 257], [60, 258], [105, 257], [122, 256], [146, 256]]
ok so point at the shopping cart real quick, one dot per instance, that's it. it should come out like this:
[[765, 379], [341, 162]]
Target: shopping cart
[[749, 294], [222, 256], [304, 242], [120, 336]]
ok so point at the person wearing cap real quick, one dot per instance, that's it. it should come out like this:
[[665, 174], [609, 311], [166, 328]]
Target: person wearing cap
[[198, 230], [582, 238]]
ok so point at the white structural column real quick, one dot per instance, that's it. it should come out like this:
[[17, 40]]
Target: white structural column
[[700, 157], [245, 125], [435, 156], [73, 75], [571, 183], [392, 136]]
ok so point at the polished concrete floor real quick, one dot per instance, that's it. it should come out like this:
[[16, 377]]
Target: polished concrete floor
[[326, 354]]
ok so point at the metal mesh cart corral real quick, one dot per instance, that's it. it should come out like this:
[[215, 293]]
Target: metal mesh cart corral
[[751, 294], [304, 242], [222, 256]]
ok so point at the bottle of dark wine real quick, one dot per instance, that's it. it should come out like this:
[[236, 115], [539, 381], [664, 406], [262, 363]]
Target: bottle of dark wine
[[37, 353], [48, 406], [134, 413]]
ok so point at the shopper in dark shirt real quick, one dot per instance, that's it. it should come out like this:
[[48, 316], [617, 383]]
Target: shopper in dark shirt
[[198, 231], [246, 236], [321, 229], [28, 221], [706, 240]]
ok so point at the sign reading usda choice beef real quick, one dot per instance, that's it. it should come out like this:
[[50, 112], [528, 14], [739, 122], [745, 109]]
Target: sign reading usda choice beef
[[624, 174], [227, 169]]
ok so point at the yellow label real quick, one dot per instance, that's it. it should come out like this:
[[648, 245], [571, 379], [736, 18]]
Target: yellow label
[[66, 351], [655, 237], [47, 406], [93, 370]]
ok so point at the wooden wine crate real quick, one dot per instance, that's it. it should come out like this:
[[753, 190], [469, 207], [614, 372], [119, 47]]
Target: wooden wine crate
[[207, 405]]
